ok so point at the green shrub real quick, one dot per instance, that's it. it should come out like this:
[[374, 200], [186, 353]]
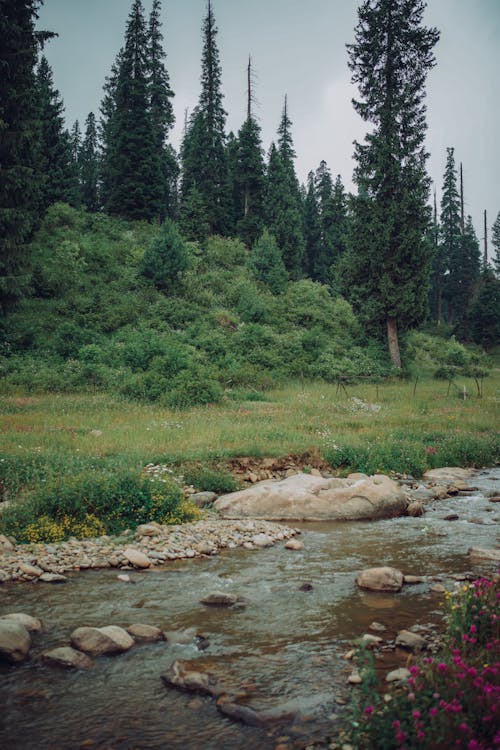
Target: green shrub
[[119, 500], [166, 258], [205, 479], [266, 263]]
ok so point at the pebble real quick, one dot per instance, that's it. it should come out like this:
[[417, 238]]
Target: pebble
[[49, 562]]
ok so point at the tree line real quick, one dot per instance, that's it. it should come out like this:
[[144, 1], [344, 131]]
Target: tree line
[[383, 249]]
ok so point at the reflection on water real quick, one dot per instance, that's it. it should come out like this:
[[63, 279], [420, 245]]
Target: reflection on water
[[283, 647]]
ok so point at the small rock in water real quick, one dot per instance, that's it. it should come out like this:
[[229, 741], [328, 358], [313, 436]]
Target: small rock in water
[[145, 633], [262, 540], [219, 599], [412, 641], [411, 580], [481, 553], [125, 578], [451, 517], [53, 578], [377, 626], [294, 544], [67, 657], [415, 509], [437, 588], [371, 641], [306, 586], [15, 641], [380, 579]]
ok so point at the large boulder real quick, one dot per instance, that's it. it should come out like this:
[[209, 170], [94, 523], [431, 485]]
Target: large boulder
[[29, 622], [15, 641], [94, 642], [304, 497]]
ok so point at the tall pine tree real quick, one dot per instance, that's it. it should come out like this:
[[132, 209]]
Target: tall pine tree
[[204, 163], [57, 165], [388, 264], [283, 201], [312, 228], [495, 241], [450, 236], [249, 175], [133, 181], [19, 144], [162, 113], [89, 165]]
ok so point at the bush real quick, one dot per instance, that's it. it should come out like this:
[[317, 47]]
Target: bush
[[166, 258], [91, 501], [452, 701], [205, 479], [266, 263]]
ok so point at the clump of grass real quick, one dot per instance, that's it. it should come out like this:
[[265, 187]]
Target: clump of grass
[[206, 479], [452, 701]]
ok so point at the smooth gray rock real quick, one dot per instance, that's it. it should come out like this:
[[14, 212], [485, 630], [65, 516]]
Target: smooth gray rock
[[380, 579], [67, 657], [15, 641]]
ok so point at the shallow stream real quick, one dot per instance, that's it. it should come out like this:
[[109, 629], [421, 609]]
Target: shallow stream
[[283, 648]]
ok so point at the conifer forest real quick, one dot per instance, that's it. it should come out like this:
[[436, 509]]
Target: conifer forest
[[171, 275]]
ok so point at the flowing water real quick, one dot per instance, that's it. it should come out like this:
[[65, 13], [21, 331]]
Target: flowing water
[[283, 648]]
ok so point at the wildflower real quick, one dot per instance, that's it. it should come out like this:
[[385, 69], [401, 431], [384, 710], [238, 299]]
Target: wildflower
[[416, 714], [442, 667], [368, 710], [396, 724], [401, 736], [414, 670], [433, 711]]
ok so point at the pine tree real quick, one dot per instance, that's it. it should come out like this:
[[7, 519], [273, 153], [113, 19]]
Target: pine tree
[[464, 273], [312, 228], [283, 201], [193, 217], [450, 235], [132, 184], [19, 143], [249, 176], [495, 241], [58, 169], [75, 142], [485, 311], [204, 163], [89, 165], [162, 113], [389, 258], [107, 140]]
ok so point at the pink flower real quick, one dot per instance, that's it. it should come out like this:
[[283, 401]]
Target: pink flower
[[442, 667], [368, 710], [433, 711], [396, 724], [400, 736], [416, 714]]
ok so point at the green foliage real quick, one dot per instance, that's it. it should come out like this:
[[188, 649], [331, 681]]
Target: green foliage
[[119, 500], [449, 700], [385, 274], [266, 263], [166, 258], [207, 479], [485, 311]]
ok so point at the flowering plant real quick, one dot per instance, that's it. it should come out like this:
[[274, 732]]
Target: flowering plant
[[452, 701]]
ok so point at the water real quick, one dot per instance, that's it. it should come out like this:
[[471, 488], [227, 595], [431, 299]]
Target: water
[[283, 648]]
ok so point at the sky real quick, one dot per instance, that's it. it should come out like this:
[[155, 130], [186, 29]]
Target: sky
[[298, 49]]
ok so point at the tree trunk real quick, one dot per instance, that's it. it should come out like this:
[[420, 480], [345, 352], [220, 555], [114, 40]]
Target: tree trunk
[[392, 339]]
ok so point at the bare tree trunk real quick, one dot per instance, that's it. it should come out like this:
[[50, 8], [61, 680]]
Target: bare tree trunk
[[462, 212], [393, 341], [485, 253]]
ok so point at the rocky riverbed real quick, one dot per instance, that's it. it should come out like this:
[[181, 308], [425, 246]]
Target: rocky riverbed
[[151, 545]]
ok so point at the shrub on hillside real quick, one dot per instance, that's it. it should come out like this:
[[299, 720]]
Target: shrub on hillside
[[266, 263], [166, 259]]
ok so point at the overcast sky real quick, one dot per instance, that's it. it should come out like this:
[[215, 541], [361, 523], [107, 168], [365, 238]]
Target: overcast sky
[[298, 49]]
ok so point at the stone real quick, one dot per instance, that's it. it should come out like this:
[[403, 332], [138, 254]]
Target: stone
[[398, 675], [481, 553], [219, 599], [67, 657], [415, 509], [411, 641], [371, 641], [437, 588], [4, 577], [306, 497], [136, 558], [494, 499], [354, 678], [306, 586], [200, 499], [294, 544], [262, 540], [5, 544], [120, 636], [52, 578], [380, 579], [15, 641], [249, 716], [448, 474], [451, 517], [93, 641], [125, 578], [192, 681], [33, 571], [205, 547], [32, 624], [377, 626], [142, 633], [148, 529], [412, 580]]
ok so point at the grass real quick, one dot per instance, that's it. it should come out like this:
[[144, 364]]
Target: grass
[[99, 427]]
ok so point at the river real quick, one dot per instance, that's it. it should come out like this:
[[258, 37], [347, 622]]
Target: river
[[284, 647]]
